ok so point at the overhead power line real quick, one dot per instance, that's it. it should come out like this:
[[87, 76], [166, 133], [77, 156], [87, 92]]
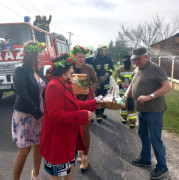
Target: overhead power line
[[34, 10], [10, 9]]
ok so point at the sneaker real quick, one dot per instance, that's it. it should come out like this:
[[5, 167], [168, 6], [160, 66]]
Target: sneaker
[[124, 121], [132, 125], [34, 177], [104, 116], [99, 119], [157, 173], [139, 162]]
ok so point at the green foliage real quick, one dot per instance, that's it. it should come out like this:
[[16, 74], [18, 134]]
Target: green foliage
[[79, 49], [117, 50], [36, 48]]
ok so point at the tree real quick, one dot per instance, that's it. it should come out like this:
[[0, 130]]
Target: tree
[[119, 49], [151, 32], [110, 49]]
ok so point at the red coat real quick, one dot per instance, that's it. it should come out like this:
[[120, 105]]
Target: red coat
[[61, 130]]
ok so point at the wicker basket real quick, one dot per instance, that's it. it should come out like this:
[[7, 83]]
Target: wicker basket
[[76, 87], [112, 105]]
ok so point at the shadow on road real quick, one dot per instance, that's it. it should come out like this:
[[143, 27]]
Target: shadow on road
[[6, 109]]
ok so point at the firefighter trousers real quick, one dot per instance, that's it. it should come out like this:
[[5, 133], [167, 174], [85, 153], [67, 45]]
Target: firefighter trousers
[[99, 92]]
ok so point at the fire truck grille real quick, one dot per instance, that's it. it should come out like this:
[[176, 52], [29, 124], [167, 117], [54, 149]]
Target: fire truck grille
[[7, 69]]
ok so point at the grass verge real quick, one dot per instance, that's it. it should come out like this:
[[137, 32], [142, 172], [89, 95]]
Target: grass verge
[[171, 115], [8, 93]]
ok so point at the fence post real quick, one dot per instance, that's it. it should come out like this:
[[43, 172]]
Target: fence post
[[172, 71], [159, 62]]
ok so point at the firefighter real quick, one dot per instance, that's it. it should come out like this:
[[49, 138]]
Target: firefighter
[[123, 78], [103, 66], [38, 21], [45, 23]]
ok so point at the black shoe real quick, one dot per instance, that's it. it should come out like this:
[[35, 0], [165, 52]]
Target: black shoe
[[92, 120], [104, 116], [99, 119], [139, 162], [157, 173]]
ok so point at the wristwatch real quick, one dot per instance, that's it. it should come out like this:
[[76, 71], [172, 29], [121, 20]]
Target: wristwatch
[[152, 95]]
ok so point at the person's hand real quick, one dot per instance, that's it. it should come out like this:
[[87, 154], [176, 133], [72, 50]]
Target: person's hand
[[142, 99], [106, 74], [87, 91], [40, 119], [90, 115], [97, 101], [101, 78], [125, 98]]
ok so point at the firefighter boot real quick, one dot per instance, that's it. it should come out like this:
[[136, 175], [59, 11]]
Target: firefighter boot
[[124, 120], [99, 119], [104, 116], [124, 115], [132, 125]]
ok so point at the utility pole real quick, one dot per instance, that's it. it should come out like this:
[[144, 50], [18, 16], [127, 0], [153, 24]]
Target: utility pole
[[70, 35]]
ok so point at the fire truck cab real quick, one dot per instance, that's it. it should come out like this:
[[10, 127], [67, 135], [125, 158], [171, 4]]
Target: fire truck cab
[[12, 38]]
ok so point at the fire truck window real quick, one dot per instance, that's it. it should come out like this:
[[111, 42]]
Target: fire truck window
[[39, 36], [16, 34], [59, 47], [64, 50], [48, 42]]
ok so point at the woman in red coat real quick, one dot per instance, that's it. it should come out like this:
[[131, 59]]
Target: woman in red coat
[[61, 134]]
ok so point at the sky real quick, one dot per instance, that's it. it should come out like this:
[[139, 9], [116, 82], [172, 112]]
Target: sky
[[92, 22]]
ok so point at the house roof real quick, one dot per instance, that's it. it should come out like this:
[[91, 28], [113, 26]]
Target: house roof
[[176, 35]]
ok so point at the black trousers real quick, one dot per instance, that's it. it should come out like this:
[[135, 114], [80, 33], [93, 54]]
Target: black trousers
[[99, 92]]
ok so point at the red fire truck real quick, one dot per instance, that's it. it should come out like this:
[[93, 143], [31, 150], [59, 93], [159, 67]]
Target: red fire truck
[[12, 38]]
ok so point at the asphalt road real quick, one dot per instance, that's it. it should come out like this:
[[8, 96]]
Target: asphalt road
[[113, 145]]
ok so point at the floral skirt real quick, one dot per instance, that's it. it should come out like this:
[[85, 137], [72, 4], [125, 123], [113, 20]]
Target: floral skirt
[[25, 129]]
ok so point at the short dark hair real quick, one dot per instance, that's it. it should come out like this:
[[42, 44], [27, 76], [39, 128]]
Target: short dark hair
[[58, 71]]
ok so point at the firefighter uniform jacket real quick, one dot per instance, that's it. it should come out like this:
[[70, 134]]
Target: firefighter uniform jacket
[[125, 76], [101, 66]]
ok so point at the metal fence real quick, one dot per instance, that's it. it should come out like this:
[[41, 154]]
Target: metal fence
[[171, 66]]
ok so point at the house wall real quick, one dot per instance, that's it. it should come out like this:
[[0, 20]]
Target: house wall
[[171, 47]]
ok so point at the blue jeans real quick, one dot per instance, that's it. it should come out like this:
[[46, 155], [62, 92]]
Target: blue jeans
[[150, 133]]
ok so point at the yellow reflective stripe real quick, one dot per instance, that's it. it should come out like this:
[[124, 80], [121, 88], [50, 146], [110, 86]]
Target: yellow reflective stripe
[[98, 67], [132, 117], [118, 80], [106, 87], [124, 114], [110, 70], [127, 75], [122, 92]]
